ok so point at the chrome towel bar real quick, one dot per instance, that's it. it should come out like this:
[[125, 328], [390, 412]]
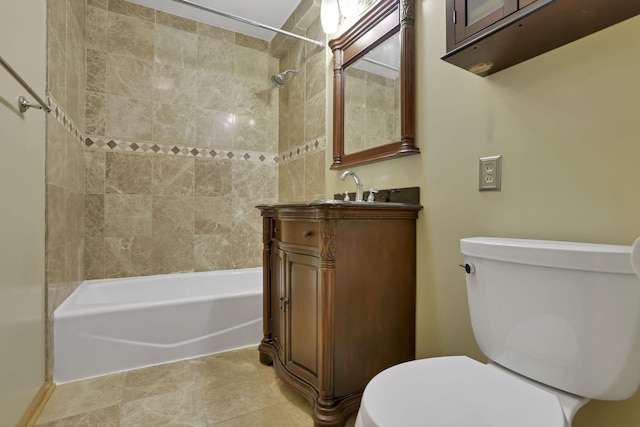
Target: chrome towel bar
[[23, 104]]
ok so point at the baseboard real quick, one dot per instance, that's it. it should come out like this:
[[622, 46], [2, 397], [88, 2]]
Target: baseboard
[[36, 406]]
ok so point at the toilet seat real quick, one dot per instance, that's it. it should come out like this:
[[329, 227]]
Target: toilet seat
[[455, 391]]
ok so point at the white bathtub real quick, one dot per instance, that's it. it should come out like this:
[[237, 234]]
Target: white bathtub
[[114, 325]]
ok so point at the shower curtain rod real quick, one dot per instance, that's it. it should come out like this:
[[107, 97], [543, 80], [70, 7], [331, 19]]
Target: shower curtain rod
[[23, 104], [249, 21]]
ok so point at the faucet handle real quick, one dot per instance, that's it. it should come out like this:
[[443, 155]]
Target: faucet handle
[[372, 195], [346, 196]]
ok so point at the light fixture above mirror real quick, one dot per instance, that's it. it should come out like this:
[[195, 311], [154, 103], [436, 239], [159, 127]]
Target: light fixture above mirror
[[333, 13]]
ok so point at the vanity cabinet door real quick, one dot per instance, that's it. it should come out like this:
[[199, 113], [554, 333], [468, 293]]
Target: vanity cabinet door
[[302, 283], [278, 299], [472, 16]]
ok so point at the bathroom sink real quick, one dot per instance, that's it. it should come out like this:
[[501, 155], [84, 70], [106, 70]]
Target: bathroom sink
[[363, 204]]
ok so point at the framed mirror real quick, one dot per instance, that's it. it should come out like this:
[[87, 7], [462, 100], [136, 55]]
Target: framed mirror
[[373, 86]]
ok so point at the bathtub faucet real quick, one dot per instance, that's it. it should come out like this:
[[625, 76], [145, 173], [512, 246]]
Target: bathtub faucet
[[358, 184]]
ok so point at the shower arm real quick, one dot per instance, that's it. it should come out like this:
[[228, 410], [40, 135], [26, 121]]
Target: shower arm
[[249, 22]]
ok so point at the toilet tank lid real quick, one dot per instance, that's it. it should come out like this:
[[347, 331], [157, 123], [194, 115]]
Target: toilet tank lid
[[549, 253]]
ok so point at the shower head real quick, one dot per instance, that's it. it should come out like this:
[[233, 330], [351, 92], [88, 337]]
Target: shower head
[[279, 79]]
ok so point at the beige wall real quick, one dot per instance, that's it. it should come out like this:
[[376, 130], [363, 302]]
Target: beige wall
[[22, 216], [567, 126]]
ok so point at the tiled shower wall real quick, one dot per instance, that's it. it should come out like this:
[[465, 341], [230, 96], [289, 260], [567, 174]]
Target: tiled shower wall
[[302, 126], [181, 125], [65, 155]]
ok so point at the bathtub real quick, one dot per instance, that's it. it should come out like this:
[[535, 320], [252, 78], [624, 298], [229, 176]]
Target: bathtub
[[114, 325]]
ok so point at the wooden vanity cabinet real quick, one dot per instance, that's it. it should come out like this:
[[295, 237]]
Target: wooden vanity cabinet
[[486, 36], [339, 298]]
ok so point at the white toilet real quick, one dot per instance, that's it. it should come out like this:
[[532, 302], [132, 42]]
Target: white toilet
[[560, 323]]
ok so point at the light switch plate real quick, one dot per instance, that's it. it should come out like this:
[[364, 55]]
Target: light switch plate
[[490, 178]]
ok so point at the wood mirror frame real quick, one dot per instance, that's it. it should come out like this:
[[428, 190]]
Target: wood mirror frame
[[386, 18]]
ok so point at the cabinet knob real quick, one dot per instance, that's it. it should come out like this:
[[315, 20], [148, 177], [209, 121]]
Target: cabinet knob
[[306, 233]]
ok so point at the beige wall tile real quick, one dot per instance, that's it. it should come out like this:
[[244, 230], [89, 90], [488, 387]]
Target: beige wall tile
[[251, 42], [94, 171], [94, 257], [127, 76], [97, 28], [173, 176], [215, 32], [56, 217], [127, 215], [96, 71], [133, 10], [74, 212], [213, 177], [314, 117], [74, 266], [250, 65], [176, 86], [172, 215], [174, 124], [103, 4], [127, 256], [172, 253], [314, 170], [74, 164], [214, 54], [56, 70], [253, 182], [315, 75], [94, 215], [213, 252], [173, 21], [212, 215], [214, 91], [215, 128], [175, 47], [55, 163], [130, 37], [129, 118], [96, 113], [127, 173]]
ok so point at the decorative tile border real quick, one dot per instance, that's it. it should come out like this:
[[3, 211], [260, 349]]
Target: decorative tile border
[[99, 143], [61, 116], [307, 148]]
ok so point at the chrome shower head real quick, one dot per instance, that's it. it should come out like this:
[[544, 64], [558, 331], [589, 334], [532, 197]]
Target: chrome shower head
[[279, 79]]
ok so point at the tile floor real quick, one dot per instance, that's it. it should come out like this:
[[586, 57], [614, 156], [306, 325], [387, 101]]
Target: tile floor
[[231, 389]]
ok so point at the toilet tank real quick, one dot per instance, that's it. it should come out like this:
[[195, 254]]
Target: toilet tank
[[564, 314]]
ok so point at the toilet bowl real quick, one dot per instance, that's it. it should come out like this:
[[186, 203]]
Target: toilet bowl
[[457, 391], [532, 307]]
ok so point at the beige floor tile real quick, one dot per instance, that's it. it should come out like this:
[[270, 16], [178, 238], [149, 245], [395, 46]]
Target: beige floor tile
[[83, 396], [299, 411], [156, 380], [228, 399], [273, 416], [181, 408], [222, 368], [106, 417]]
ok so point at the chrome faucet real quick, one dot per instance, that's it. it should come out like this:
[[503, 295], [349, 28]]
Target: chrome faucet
[[345, 174]]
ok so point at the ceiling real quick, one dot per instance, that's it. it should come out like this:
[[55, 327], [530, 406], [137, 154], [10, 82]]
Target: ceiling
[[270, 12]]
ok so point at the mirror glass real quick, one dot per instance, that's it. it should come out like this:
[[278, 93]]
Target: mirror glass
[[373, 85], [372, 98]]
